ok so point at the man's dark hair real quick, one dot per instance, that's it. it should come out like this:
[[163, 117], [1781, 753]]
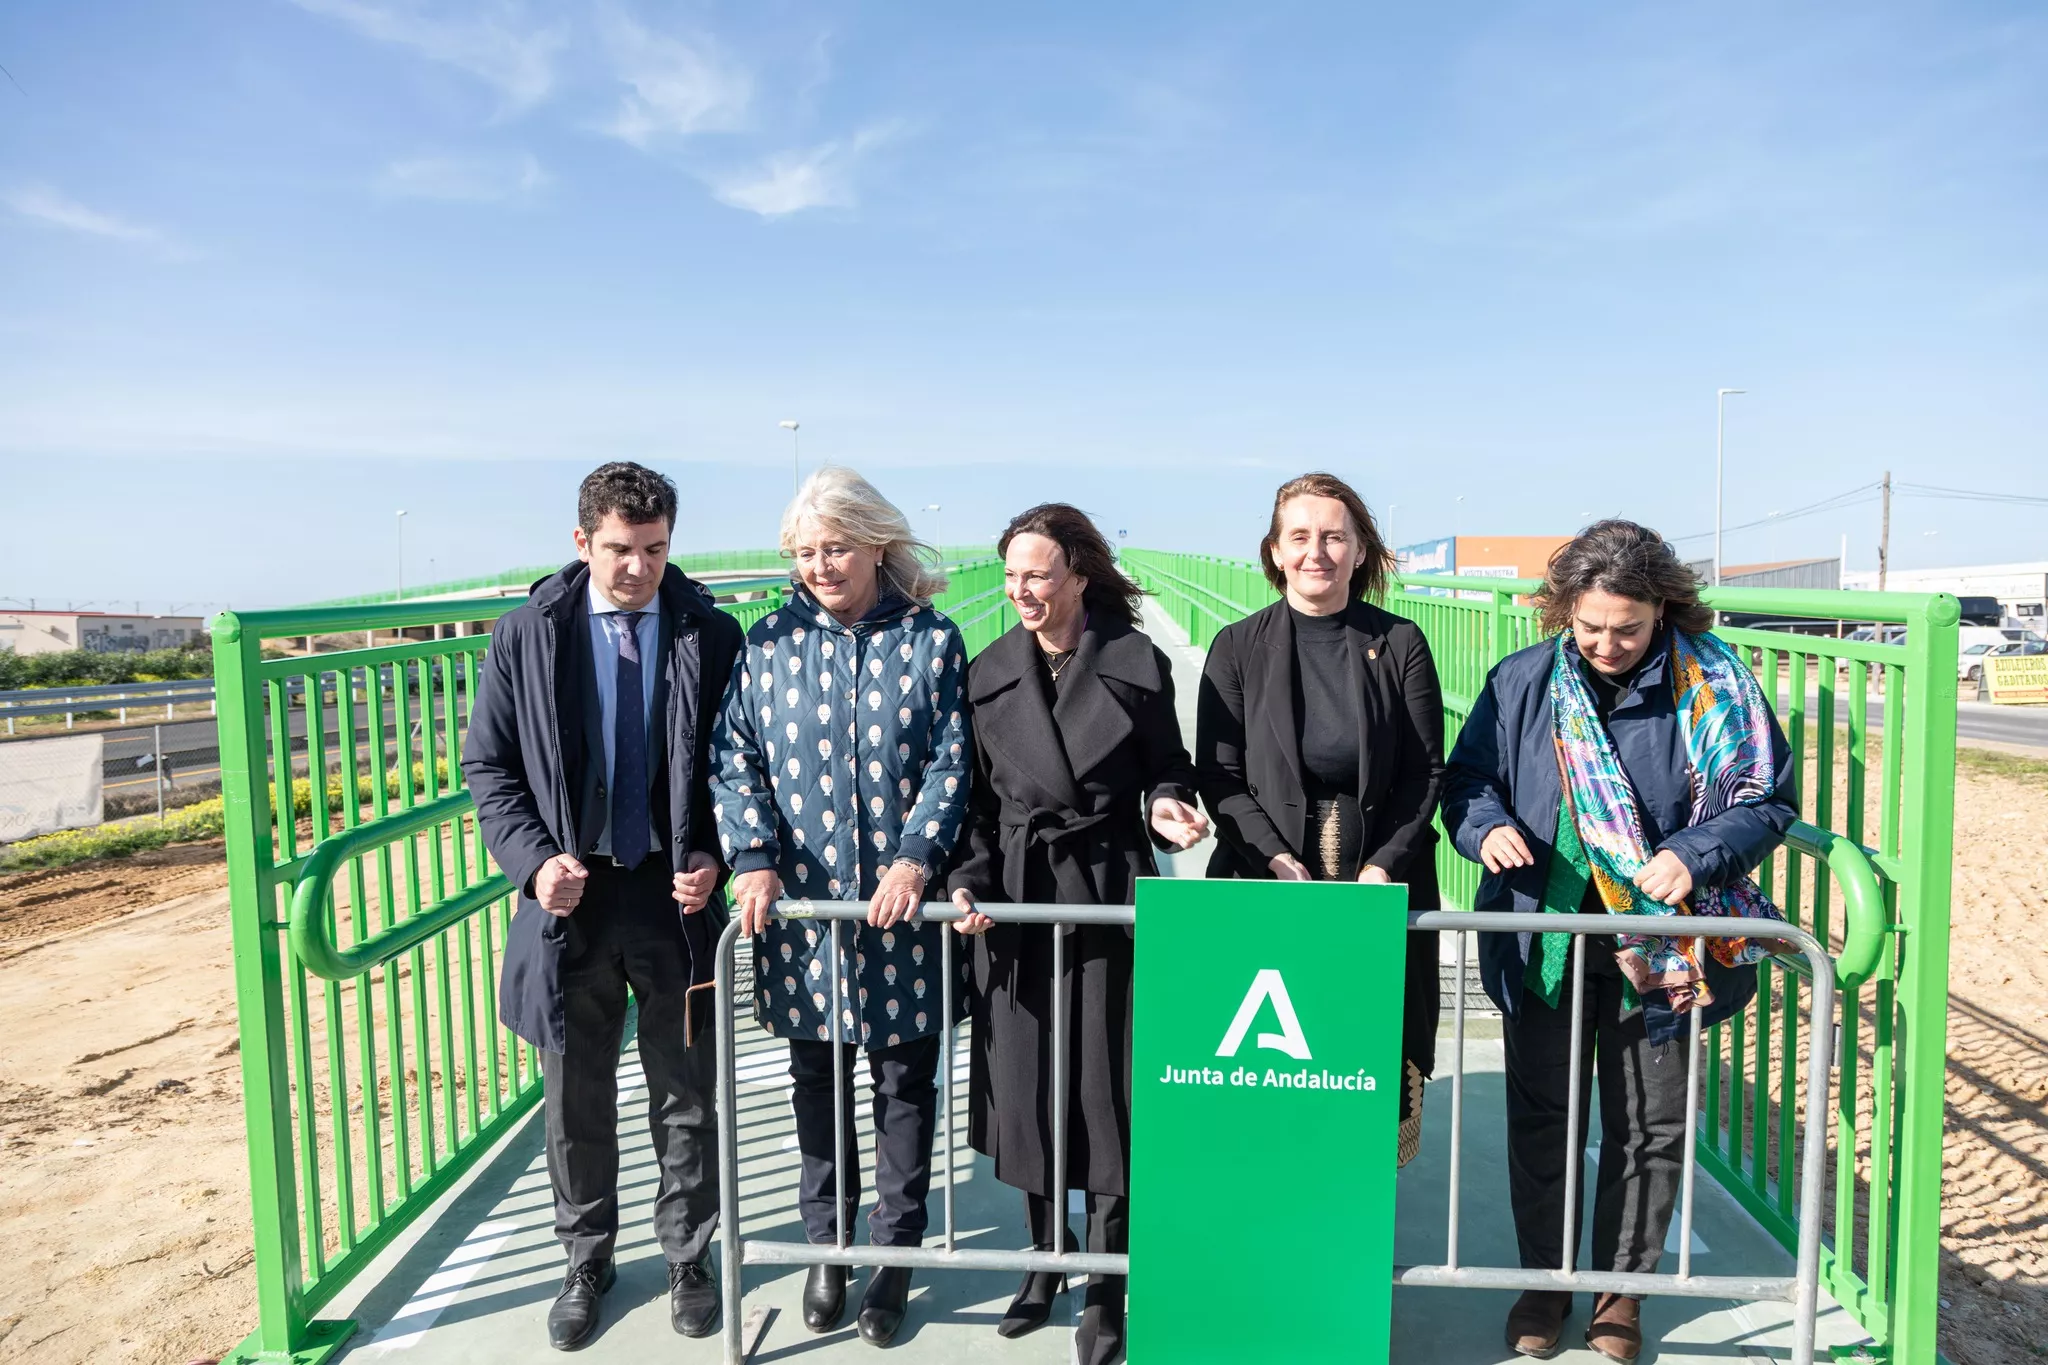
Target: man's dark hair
[[1628, 560], [635, 492], [1108, 593]]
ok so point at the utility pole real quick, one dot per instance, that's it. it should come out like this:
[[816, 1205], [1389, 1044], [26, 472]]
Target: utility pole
[[1884, 535]]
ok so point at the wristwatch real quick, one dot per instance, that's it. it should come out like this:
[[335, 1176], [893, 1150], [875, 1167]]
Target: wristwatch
[[924, 873]]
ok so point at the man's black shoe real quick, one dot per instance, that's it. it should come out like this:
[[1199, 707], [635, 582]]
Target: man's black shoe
[[573, 1319], [692, 1299], [881, 1307], [824, 1297]]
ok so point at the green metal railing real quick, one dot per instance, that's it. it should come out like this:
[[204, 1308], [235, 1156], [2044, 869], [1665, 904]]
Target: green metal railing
[[1867, 869], [368, 921]]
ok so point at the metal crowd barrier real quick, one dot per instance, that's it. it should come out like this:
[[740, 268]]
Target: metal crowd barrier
[[1801, 1289], [737, 1251]]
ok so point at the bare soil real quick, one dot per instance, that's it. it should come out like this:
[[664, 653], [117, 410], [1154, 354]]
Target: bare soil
[[124, 1192]]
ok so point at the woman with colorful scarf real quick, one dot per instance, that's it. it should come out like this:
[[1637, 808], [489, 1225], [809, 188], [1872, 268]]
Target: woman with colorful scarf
[[1628, 764]]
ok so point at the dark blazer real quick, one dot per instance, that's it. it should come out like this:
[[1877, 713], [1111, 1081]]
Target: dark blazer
[[1069, 785], [534, 762], [1504, 772], [1248, 754]]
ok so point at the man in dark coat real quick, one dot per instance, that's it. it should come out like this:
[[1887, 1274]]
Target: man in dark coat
[[587, 759]]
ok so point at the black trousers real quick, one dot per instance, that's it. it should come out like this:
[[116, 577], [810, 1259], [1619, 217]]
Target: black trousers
[[1109, 1233], [1642, 1122], [906, 1114], [625, 937]]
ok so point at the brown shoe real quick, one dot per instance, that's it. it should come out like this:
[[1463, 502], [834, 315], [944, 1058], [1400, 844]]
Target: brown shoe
[[1616, 1330], [1536, 1322]]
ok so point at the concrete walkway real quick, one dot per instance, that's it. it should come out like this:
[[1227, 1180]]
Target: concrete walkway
[[473, 1283]]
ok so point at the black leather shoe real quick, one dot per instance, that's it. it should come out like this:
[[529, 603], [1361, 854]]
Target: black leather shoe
[[1033, 1305], [572, 1322], [692, 1298], [1099, 1336], [824, 1297], [881, 1308]]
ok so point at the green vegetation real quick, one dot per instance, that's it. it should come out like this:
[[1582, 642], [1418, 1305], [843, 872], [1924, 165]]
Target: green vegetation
[[200, 821], [1999, 763], [86, 667]]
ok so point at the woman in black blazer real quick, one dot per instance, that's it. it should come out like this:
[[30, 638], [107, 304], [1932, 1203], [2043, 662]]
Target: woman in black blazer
[[1319, 737]]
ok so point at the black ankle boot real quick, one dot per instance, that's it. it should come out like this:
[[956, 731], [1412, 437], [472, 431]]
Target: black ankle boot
[[824, 1297], [881, 1307], [1033, 1305], [1099, 1338]]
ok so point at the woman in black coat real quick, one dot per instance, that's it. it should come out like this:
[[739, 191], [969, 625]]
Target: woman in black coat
[[1079, 773], [1319, 737]]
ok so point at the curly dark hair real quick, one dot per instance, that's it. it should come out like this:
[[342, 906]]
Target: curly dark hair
[[638, 494], [1369, 579], [1629, 561], [1109, 593]]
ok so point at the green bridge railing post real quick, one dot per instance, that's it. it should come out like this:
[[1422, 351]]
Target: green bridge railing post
[[283, 1333], [1929, 844]]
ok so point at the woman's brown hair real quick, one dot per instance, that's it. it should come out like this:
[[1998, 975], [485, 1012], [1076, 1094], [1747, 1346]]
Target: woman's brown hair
[[1108, 593], [1369, 579], [1629, 561]]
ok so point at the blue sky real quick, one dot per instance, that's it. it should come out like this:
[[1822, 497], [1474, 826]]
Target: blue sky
[[270, 270]]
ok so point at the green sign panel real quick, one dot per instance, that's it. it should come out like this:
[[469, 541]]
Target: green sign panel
[[1264, 1107]]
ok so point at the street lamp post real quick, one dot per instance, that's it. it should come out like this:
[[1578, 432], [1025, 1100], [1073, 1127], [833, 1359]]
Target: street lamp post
[[401, 554], [937, 528], [796, 464], [1720, 415]]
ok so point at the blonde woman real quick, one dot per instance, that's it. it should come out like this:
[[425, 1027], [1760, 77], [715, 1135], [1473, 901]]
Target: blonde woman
[[843, 767]]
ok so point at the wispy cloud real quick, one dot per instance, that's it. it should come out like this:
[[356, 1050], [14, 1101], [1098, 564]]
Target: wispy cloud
[[813, 178], [46, 205], [464, 179], [676, 86], [498, 44]]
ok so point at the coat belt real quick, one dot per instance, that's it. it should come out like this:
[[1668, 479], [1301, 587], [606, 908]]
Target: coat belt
[[1056, 828]]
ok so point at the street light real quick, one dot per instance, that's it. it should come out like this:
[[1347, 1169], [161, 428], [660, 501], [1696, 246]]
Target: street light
[[937, 528], [401, 554], [1720, 409], [795, 462]]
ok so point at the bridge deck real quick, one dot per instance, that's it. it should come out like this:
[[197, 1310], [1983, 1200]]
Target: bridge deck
[[472, 1285]]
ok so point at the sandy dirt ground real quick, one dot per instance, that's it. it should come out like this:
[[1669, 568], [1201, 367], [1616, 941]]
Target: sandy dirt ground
[[123, 1190]]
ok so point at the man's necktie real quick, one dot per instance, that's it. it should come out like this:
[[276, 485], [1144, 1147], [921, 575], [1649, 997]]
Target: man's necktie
[[629, 749]]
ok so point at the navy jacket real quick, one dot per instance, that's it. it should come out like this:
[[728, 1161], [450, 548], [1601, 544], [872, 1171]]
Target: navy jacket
[[1503, 771], [534, 761]]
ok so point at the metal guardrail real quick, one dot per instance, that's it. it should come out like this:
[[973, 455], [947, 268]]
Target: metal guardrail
[[737, 1251], [1801, 1289], [68, 702]]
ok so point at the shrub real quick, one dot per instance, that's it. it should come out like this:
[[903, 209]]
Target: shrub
[[85, 667]]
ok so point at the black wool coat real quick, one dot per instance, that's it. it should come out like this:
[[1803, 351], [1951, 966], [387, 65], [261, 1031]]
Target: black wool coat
[[534, 762], [1248, 767], [1063, 786]]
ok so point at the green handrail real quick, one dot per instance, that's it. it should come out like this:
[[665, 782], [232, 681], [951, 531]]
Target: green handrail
[[1863, 911], [312, 915]]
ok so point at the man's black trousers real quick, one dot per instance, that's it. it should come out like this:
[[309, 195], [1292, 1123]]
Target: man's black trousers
[[1642, 1122], [906, 1110], [623, 935]]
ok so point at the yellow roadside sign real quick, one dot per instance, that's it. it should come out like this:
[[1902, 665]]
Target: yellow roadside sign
[[2017, 680]]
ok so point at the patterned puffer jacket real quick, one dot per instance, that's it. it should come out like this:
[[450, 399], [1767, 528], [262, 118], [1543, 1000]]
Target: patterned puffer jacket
[[840, 750]]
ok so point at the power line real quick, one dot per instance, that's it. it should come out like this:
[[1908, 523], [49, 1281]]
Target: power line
[[1854, 497], [13, 82], [1928, 490]]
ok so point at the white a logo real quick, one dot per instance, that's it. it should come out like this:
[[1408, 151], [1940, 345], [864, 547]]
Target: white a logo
[[1267, 985]]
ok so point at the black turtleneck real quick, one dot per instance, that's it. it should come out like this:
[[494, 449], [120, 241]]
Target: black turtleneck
[[1325, 704]]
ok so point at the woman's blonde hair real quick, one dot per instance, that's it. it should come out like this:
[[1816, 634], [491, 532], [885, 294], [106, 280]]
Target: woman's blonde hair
[[843, 505]]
